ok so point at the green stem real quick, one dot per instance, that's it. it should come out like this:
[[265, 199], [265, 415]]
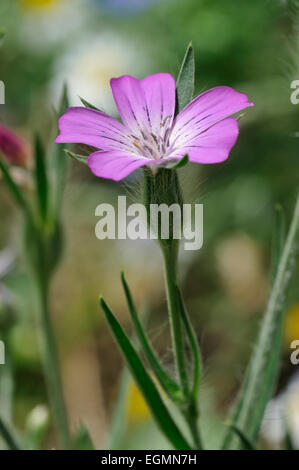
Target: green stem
[[170, 253], [51, 366], [189, 407], [191, 418]]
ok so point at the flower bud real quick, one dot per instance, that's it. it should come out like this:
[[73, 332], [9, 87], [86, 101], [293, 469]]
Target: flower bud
[[13, 147]]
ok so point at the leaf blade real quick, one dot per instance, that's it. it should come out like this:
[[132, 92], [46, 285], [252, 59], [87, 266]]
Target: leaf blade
[[263, 367], [167, 383], [56, 159], [145, 383], [41, 179]]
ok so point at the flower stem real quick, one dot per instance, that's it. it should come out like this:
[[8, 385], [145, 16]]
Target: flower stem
[[170, 253], [51, 367], [189, 407], [191, 419]]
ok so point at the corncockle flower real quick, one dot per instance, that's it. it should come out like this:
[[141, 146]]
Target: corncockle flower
[[13, 147], [150, 134]]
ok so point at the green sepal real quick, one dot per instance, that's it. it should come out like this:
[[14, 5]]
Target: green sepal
[[75, 156], [186, 79], [89, 105], [180, 163]]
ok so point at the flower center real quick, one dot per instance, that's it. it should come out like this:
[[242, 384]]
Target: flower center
[[153, 144]]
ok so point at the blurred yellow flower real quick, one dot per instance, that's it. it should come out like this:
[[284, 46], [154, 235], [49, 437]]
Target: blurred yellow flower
[[136, 409], [291, 330], [39, 3]]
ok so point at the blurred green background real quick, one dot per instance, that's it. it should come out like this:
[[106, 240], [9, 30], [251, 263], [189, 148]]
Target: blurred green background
[[251, 46]]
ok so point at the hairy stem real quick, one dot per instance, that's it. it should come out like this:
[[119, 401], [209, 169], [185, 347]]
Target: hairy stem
[[170, 271]]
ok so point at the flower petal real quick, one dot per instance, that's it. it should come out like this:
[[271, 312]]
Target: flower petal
[[114, 165], [92, 127], [213, 145], [130, 101], [207, 109], [159, 91]]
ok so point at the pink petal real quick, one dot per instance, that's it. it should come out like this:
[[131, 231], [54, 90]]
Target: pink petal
[[114, 165], [213, 145], [91, 127], [159, 91], [130, 101], [208, 108]]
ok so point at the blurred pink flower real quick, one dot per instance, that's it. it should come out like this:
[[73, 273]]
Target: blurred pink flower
[[149, 133], [13, 147]]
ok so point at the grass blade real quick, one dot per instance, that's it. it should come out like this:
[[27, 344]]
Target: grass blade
[[247, 444], [8, 436], [263, 367], [185, 80], [145, 383]]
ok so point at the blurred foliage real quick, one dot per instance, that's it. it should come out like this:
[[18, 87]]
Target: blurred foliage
[[247, 45]]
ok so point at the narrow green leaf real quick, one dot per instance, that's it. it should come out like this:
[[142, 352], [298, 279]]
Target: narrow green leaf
[[2, 36], [75, 156], [118, 421], [145, 383], [194, 346], [41, 180], [56, 160], [8, 435], [14, 189], [168, 384], [279, 236], [180, 163], [6, 387], [260, 378], [82, 438], [185, 80], [89, 105], [247, 444]]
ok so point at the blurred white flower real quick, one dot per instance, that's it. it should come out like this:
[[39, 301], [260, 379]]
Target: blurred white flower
[[282, 415], [88, 66], [48, 23]]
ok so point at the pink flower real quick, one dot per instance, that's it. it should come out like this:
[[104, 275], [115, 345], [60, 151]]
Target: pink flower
[[149, 133], [13, 147]]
